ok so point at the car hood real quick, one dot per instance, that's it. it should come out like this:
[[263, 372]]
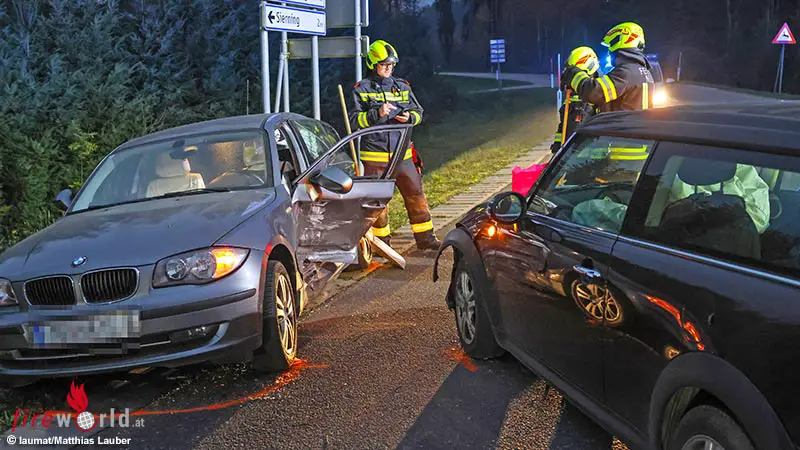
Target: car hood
[[135, 234]]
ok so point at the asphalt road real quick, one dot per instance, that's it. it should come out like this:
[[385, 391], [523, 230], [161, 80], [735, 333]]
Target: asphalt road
[[382, 369], [680, 93]]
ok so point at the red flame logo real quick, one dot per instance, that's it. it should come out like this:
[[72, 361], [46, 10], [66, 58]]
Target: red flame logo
[[77, 398]]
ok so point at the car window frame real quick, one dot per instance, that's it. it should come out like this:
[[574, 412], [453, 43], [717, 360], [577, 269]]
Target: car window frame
[[644, 195], [573, 141], [268, 171]]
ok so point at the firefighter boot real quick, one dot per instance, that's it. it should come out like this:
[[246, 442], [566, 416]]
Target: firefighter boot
[[427, 240]]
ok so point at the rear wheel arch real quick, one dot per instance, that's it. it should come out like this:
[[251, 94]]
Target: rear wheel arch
[[695, 379]]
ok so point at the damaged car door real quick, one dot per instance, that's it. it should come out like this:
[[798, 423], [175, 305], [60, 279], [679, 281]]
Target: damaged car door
[[334, 204]]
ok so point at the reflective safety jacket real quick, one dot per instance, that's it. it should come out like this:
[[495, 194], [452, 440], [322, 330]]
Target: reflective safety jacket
[[579, 112], [628, 86], [369, 95]]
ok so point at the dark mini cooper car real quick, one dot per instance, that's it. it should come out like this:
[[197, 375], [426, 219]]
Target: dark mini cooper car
[[653, 275], [197, 243]]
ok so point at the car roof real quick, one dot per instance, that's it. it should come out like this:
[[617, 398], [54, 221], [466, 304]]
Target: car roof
[[227, 124], [770, 126]]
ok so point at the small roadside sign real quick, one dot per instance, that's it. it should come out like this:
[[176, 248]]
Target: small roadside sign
[[341, 13], [784, 36], [294, 20], [309, 3]]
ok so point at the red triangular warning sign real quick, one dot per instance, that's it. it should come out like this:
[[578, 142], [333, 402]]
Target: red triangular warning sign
[[784, 36]]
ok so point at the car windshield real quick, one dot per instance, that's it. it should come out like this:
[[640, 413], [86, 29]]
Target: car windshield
[[183, 166]]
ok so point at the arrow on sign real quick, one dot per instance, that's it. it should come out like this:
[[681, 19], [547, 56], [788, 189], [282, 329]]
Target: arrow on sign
[[271, 17], [784, 36]]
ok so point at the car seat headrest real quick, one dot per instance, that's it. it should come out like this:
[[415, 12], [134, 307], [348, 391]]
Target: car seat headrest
[[704, 172]]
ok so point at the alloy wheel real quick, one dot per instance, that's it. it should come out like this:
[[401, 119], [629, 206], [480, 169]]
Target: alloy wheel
[[287, 319], [465, 307], [702, 443]]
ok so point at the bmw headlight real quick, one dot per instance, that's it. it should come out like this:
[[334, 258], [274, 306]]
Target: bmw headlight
[[198, 267], [7, 297]]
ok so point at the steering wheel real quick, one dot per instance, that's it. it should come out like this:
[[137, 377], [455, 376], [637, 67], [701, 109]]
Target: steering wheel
[[776, 207], [562, 212], [219, 181], [610, 192]]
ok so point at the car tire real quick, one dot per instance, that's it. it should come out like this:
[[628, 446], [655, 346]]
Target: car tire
[[472, 321], [706, 424], [279, 334]]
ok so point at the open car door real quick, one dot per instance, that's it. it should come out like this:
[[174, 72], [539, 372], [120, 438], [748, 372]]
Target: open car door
[[335, 204]]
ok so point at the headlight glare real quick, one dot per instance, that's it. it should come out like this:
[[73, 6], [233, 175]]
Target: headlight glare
[[198, 267], [227, 260], [7, 297], [660, 97]]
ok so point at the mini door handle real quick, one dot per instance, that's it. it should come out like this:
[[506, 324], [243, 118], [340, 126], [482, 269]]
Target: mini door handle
[[588, 275]]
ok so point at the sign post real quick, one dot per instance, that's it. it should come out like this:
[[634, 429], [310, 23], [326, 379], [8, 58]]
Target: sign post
[[559, 94], [265, 94], [783, 38], [289, 19], [497, 55]]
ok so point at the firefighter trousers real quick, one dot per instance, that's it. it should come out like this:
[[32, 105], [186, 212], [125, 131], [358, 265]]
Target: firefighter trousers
[[409, 183]]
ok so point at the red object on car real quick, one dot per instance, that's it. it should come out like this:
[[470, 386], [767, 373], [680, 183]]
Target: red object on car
[[523, 179]]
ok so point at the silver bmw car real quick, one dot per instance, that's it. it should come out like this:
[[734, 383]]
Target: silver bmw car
[[198, 243]]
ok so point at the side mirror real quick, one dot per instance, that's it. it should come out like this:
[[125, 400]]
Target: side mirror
[[670, 80], [507, 207], [65, 198], [333, 179]]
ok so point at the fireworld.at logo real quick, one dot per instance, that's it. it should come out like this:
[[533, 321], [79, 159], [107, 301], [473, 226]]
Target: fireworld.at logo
[[85, 421]]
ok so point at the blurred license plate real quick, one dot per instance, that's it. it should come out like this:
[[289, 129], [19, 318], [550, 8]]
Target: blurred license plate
[[93, 329]]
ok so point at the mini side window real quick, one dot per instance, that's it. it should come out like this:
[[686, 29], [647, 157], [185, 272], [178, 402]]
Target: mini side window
[[731, 204], [593, 182]]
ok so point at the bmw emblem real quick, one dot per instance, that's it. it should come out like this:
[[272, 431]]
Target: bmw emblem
[[78, 261]]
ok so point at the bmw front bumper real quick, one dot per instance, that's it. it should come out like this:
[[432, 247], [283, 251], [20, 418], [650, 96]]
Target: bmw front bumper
[[177, 326]]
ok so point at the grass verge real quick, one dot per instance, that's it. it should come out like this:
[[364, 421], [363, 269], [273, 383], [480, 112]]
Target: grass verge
[[465, 85], [476, 141]]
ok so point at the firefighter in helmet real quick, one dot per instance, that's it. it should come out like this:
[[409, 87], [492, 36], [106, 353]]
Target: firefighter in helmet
[[629, 85], [585, 59], [382, 99]]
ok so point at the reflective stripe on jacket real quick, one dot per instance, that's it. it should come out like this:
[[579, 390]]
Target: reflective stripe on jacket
[[369, 95]]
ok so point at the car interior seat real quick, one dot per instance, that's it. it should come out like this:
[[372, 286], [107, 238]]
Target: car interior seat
[[285, 159], [715, 221], [174, 175]]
